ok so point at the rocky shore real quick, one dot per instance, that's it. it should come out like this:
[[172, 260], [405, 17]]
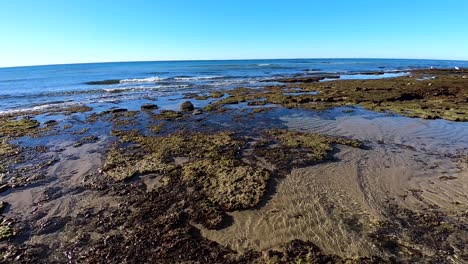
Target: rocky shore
[[211, 184]]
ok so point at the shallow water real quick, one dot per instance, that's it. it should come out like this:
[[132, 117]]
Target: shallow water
[[40, 87], [406, 160]]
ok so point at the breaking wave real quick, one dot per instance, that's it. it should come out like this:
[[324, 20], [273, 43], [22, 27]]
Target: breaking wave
[[143, 80]]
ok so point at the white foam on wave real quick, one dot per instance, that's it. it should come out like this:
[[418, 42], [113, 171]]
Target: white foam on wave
[[144, 88], [197, 78], [143, 80], [263, 64], [39, 108]]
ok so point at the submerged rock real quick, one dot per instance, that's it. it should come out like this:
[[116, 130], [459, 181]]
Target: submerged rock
[[104, 82], [186, 106], [149, 107], [50, 123], [115, 110], [168, 115], [4, 187], [17, 127], [2, 206]]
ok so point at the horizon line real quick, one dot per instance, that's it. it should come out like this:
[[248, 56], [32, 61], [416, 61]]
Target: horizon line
[[194, 60]]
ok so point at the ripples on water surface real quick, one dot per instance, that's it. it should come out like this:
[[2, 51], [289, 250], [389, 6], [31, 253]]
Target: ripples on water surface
[[56, 85]]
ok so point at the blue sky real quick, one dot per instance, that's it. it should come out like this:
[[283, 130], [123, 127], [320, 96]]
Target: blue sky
[[73, 31]]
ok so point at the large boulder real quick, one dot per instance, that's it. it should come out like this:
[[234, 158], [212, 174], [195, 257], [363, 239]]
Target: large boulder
[[186, 106]]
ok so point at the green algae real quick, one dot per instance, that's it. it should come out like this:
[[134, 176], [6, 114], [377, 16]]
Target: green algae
[[216, 94], [168, 115], [229, 183], [5, 231], [121, 166], [286, 149], [6, 149], [213, 164], [6, 152], [17, 127], [444, 96], [156, 128]]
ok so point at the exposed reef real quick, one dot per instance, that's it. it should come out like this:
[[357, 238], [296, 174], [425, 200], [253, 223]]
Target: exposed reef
[[428, 94], [142, 186]]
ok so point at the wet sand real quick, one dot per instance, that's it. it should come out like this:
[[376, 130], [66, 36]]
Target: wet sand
[[410, 162]]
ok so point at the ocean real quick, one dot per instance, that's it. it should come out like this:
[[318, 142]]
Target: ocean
[[41, 87]]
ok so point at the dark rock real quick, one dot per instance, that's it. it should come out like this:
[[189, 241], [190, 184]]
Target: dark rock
[[407, 97], [149, 107], [51, 123], [187, 106], [115, 110], [105, 82], [4, 187], [2, 206]]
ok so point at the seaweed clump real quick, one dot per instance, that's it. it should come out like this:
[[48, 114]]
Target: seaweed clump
[[7, 153], [168, 115], [17, 127], [5, 230], [408, 236], [217, 163], [298, 251], [287, 149], [213, 165], [426, 94]]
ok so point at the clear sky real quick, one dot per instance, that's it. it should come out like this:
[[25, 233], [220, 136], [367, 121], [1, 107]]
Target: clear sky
[[36, 32]]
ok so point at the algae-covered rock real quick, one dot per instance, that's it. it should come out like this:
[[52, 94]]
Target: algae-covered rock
[[286, 149], [17, 127], [5, 230], [443, 95], [228, 182], [168, 115], [216, 94], [213, 164], [156, 128], [6, 149], [186, 106]]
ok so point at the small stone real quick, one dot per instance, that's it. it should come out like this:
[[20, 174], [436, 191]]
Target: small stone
[[197, 112], [186, 106], [149, 107]]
